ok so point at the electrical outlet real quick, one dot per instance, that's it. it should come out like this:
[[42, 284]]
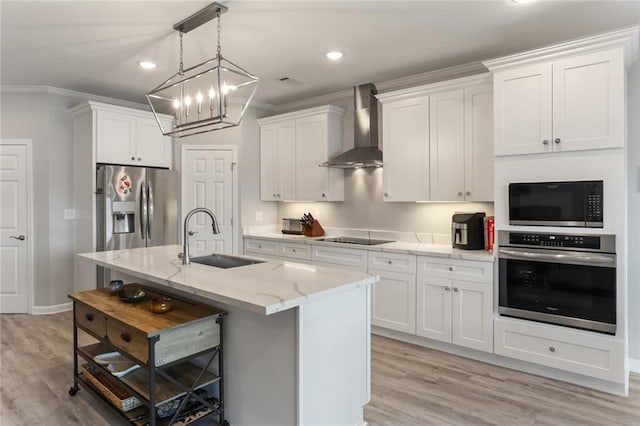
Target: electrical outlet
[[259, 217], [69, 214]]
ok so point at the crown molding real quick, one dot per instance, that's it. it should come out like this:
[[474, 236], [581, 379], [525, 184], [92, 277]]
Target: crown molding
[[390, 85], [626, 38], [426, 89], [325, 109]]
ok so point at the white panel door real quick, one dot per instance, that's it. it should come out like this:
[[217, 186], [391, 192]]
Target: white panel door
[[522, 110], [14, 227], [588, 102], [269, 172], [207, 181], [472, 324], [446, 146], [394, 301], [434, 308], [405, 138], [286, 160]]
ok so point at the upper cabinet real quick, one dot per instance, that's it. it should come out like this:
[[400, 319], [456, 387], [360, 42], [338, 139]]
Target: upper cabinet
[[292, 146], [562, 98], [438, 141], [131, 137]]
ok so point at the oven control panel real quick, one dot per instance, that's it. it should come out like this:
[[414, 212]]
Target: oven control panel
[[554, 240]]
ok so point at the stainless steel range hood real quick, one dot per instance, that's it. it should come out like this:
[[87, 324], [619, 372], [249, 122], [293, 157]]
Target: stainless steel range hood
[[365, 152]]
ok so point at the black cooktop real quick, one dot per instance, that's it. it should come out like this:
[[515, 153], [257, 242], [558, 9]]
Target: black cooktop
[[354, 240]]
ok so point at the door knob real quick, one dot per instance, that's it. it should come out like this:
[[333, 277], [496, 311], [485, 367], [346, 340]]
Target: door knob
[[545, 142], [557, 140], [192, 233], [19, 237]]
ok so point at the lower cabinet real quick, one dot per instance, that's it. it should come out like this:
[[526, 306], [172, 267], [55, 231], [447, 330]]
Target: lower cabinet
[[394, 296], [453, 310], [576, 351]]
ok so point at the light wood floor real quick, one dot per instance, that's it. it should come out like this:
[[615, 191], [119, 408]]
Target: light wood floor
[[410, 385]]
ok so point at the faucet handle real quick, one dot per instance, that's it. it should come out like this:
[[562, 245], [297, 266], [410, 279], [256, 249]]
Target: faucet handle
[[192, 233], [180, 255]]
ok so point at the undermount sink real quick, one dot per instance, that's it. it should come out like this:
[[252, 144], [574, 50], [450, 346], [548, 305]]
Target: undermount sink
[[223, 261]]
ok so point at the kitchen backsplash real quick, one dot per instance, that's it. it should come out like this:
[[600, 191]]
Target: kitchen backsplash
[[363, 208]]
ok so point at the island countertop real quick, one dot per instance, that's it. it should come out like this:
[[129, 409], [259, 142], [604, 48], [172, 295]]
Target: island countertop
[[265, 288]]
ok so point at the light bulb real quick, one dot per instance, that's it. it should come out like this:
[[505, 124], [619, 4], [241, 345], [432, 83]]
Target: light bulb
[[187, 100], [212, 93], [224, 88], [199, 97]]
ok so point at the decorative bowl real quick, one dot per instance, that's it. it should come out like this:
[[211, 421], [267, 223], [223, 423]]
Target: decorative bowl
[[115, 286], [161, 305], [132, 295]]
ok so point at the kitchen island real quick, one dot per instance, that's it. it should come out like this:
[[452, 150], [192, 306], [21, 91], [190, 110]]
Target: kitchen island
[[297, 338]]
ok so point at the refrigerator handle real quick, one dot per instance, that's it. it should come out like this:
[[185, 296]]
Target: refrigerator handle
[[151, 210], [143, 210]]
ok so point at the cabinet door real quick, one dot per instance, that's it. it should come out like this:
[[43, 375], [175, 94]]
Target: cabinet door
[[286, 157], [115, 138], [405, 138], [152, 147], [311, 150], [269, 178], [434, 308], [478, 143], [446, 145], [522, 110], [588, 102], [394, 301], [472, 321]]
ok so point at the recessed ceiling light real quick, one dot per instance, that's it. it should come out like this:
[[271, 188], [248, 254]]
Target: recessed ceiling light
[[147, 65], [522, 1], [334, 56]]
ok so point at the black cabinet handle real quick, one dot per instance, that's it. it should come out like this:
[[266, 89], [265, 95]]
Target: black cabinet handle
[[126, 337], [88, 317]]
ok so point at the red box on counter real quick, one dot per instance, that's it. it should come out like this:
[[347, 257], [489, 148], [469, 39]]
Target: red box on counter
[[489, 232]]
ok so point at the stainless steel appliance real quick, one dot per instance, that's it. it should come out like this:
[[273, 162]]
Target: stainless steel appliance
[[136, 207], [292, 226], [467, 231], [354, 240], [560, 279], [576, 203]]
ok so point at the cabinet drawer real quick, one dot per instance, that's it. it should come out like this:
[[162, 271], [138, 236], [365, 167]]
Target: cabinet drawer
[[392, 262], [270, 248], [177, 343], [91, 319], [340, 256], [296, 251], [467, 270], [565, 349], [128, 339]]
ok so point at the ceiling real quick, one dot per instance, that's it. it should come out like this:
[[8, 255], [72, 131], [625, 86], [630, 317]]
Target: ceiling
[[94, 46]]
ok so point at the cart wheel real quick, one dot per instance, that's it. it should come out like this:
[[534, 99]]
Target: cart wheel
[[225, 423], [73, 391]]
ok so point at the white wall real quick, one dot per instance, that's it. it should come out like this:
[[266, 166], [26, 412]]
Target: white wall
[[633, 194]]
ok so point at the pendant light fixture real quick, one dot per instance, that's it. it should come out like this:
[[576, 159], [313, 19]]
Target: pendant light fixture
[[209, 96]]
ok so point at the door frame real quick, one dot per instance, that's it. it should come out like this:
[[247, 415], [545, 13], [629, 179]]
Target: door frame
[[234, 187], [28, 144]]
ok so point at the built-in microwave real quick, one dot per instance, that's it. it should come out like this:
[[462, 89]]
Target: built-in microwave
[[576, 203]]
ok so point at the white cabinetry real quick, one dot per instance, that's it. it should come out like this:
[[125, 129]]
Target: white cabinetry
[[292, 146], [438, 141], [455, 302], [130, 137], [566, 349], [405, 134], [339, 256], [278, 250], [394, 296], [562, 104], [277, 156]]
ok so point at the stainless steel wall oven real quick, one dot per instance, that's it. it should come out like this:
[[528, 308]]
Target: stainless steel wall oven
[[560, 279]]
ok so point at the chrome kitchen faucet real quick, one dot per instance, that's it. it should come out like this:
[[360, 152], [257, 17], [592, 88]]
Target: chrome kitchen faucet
[[185, 236]]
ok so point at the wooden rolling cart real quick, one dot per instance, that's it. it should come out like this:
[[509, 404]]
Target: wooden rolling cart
[[167, 387]]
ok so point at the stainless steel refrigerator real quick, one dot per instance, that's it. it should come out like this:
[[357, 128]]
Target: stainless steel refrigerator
[[136, 207]]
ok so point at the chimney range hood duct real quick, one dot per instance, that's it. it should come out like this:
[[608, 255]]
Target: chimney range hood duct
[[365, 152]]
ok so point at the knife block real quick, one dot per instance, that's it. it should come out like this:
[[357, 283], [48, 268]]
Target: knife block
[[315, 231]]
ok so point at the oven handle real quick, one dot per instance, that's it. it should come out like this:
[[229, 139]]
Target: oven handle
[[565, 258]]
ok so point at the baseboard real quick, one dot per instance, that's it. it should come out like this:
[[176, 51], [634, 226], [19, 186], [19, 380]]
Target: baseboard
[[53, 309], [634, 365]]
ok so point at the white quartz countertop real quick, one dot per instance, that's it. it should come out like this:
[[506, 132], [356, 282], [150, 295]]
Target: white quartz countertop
[[408, 247], [265, 288]]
